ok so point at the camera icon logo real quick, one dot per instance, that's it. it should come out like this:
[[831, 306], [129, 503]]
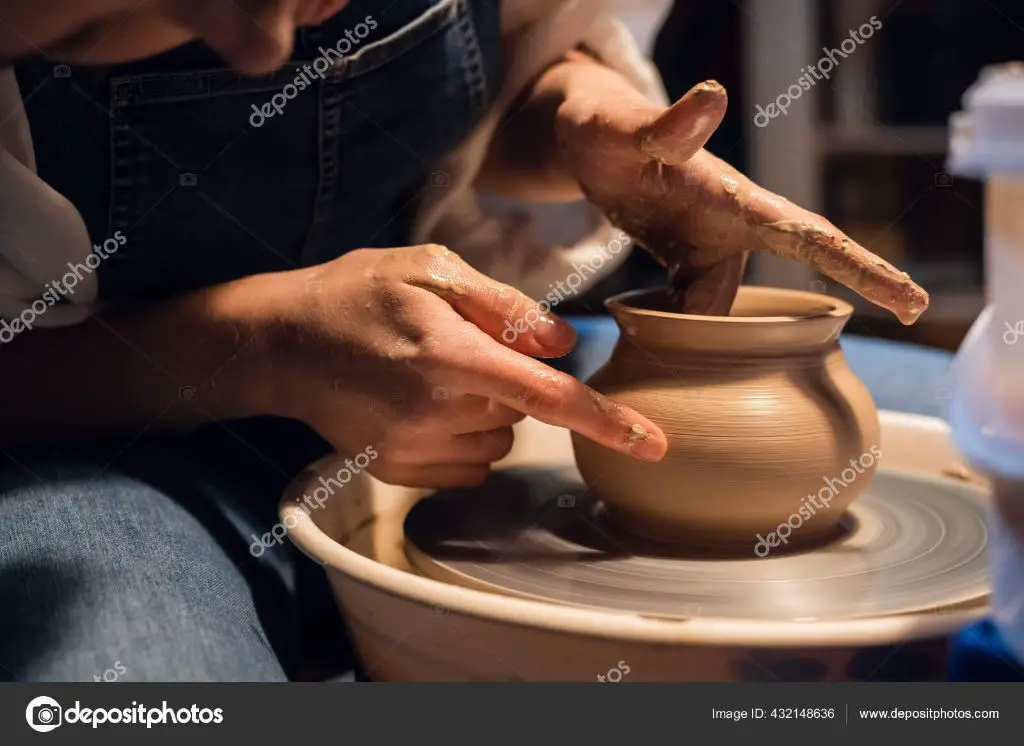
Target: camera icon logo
[[188, 180], [943, 180], [44, 714], [62, 71], [440, 178]]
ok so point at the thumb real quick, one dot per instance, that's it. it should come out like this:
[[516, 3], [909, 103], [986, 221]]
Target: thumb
[[500, 311], [684, 128], [711, 292]]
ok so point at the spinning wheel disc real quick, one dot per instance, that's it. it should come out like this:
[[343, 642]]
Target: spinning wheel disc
[[909, 543]]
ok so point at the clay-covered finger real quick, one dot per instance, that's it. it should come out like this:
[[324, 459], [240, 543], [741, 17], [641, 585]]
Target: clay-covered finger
[[503, 313], [683, 129], [811, 239], [739, 214], [711, 292], [558, 399]]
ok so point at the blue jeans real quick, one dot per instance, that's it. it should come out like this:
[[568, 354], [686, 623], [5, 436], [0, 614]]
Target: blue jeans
[[139, 561]]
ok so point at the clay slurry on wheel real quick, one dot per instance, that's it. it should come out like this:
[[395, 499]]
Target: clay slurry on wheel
[[916, 543]]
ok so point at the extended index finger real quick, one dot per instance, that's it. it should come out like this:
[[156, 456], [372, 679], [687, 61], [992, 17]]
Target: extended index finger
[[739, 214], [541, 392]]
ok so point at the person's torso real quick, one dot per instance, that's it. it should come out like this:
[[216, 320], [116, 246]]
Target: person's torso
[[212, 176]]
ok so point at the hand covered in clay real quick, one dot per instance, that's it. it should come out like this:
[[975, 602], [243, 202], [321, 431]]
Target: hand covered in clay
[[645, 167], [408, 350]]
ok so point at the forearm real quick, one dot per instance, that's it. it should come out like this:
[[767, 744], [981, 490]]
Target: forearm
[[167, 365], [524, 160]]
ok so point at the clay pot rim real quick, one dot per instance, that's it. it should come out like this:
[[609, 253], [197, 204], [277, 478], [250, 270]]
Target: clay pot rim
[[588, 622], [839, 309]]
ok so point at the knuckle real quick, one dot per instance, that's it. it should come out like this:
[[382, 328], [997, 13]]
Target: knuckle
[[500, 443], [433, 354], [546, 395], [426, 413], [432, 252]]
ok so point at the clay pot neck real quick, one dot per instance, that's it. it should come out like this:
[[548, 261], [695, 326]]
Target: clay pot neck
[[764, 322]]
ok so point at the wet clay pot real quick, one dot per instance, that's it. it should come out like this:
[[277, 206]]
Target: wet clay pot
[[771, 436]]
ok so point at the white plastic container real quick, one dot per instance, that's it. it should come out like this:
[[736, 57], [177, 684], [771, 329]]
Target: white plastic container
[[987, 412]]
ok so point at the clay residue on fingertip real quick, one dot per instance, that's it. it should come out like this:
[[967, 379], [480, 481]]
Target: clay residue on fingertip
[[635, 435], [910, 315], [708, 86]]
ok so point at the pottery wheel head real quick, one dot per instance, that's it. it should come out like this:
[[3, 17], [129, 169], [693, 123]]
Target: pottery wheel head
[[910, 543]]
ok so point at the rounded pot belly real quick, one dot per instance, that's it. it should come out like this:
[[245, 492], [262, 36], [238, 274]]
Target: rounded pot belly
[[755, 448]]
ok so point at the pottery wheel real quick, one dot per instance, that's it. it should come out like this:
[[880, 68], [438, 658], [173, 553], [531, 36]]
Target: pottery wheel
[[909, 543]]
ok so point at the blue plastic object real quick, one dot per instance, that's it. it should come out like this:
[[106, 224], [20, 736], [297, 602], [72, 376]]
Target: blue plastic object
[[978, 653]]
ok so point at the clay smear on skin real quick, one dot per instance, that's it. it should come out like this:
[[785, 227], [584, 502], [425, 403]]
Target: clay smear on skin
[[603, 405], [635, 434], [443, 279]]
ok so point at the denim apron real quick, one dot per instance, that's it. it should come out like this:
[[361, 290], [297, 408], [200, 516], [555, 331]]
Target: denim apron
[[179, 153], [171, 150], [214, 176]]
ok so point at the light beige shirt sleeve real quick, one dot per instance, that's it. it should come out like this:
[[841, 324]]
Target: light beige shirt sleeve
[[44, 277]]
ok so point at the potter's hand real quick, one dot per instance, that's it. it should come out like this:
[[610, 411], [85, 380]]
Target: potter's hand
[[402, 349], [646, 168]]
